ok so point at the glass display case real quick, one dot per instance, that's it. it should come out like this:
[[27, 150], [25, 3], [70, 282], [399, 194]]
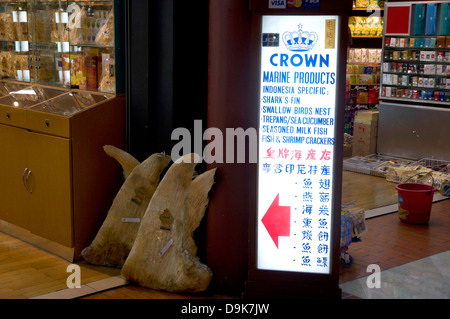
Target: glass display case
[[59, 106], [70, 103], [59, 43], [29, 96]]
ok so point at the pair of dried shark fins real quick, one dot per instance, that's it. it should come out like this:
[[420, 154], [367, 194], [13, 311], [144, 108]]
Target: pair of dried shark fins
[[159, 252]]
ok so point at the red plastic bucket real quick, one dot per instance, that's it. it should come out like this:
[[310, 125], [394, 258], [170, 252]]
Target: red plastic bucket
[[414, 202]]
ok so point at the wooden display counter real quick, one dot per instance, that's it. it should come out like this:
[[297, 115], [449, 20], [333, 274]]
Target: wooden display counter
[[57, 183]]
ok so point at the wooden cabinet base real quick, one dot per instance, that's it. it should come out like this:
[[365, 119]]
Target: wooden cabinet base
[[45, 244], [55, 190]]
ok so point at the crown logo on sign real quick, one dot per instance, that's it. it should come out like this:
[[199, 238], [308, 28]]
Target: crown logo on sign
[[300, 40]]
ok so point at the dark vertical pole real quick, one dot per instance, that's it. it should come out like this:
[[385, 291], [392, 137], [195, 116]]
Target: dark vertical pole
[[229, 107], [138, 77], [161, 39]]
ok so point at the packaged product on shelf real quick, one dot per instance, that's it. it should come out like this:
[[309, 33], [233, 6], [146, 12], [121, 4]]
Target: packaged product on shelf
[[412, 42], [350, 57], [77, 71], [20, 20], [393, 42], [419, 43], [436, 96], [105, 35], [361, 3], [7, 64], [42, 27], [22, 70], [388, 92], [108, 79], [364, 56], [429, 69], [440, 42], [447, 42], [378, 57], [405, 80], [420, 82], [362, 29], [7, 29], [373, 26], [362, 95], [352, 25], [76, 25], [59, 31], [357, 55], [430, 21], [373, 96], [91, 72], [427, 55], [89, 30], [441, 69], [444, 20], [65, 70], [44, 68], [433, 42], [419, 19]]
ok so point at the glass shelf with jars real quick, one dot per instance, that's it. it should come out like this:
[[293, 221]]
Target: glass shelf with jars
[[67, 44]]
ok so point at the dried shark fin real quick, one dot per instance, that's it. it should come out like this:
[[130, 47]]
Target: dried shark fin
[[126, 160], [158, 259], [196, 204], [116, 236]]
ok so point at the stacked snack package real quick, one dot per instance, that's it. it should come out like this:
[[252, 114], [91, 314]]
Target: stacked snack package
[[7, 64], [77, 71], [20, 21], [361, 3], [65, 66], [7, 29], [105, 35], [91, 72], [76, 26], [21, 68], [44, 68], [366, 26], [108, 79], [59, 32], [369, 3]]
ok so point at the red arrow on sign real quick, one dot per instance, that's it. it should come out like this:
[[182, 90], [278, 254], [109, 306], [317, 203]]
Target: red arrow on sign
[[277, 220]]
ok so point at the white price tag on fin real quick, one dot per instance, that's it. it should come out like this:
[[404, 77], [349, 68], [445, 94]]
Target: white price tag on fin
[[131, 220], [167, 246]]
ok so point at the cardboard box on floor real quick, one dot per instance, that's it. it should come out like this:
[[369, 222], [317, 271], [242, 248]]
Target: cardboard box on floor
[[365, 132]]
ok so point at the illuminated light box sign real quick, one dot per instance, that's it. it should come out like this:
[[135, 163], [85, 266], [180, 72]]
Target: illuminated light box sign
[[296, 142]]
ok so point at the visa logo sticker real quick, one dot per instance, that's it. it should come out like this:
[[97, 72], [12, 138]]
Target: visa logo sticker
[[277, 4]]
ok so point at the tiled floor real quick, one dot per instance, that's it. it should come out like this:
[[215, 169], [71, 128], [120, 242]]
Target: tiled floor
[[389, 243], [427, 278]]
